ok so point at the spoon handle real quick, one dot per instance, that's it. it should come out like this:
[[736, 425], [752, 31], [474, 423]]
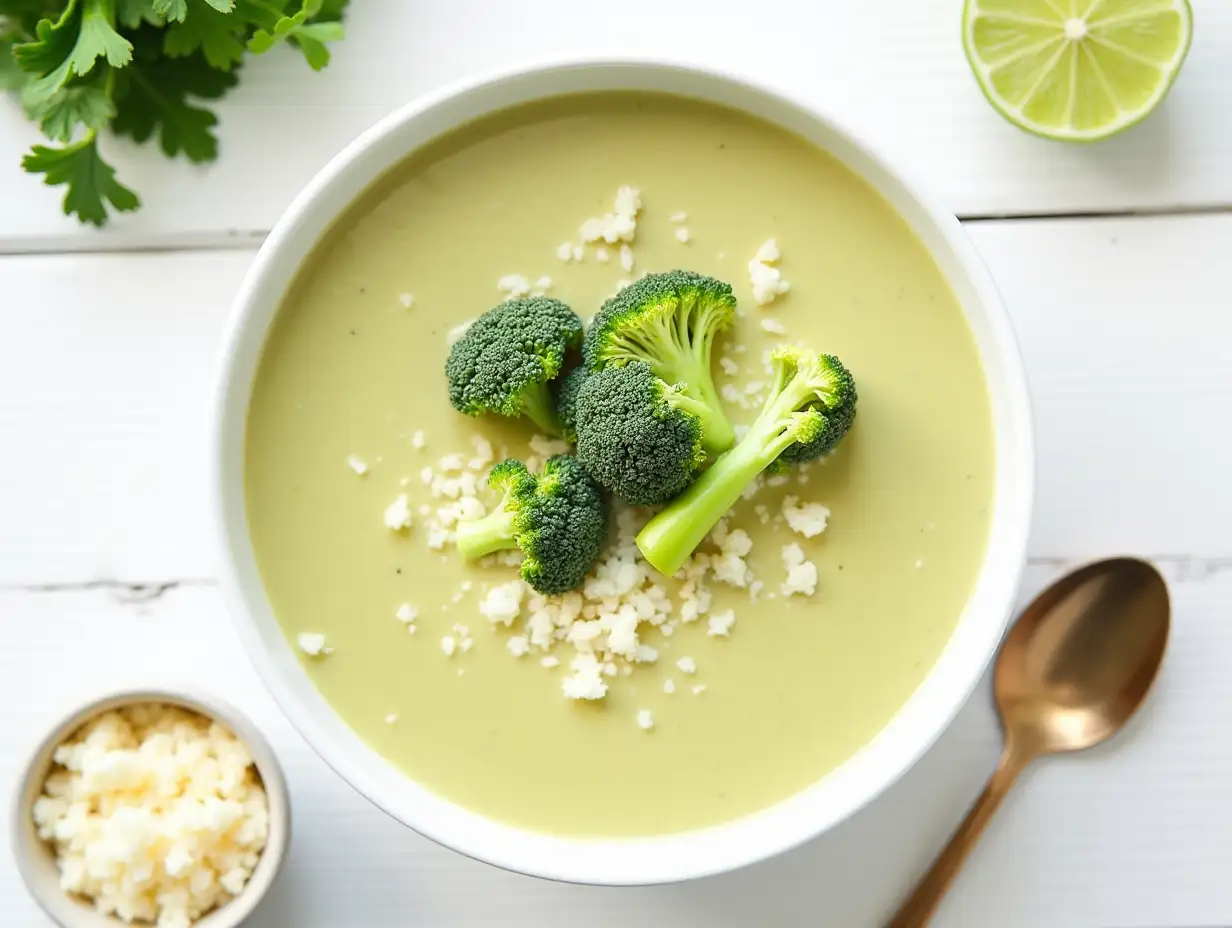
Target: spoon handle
[[927, 895]]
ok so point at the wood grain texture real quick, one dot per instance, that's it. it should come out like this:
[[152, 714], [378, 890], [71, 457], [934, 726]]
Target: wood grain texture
[[892, 70], [107, 361], [1131, 835]]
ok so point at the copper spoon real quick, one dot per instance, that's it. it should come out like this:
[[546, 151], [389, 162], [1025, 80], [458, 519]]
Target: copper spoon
[[1069, 675]]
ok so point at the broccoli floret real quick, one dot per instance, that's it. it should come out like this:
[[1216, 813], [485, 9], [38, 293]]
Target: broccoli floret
[[810, 407], [669, 321], [638, 436], [567, 389], [558, 519], [505, 360]]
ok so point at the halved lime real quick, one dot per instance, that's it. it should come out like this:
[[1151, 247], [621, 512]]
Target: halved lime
[[1077, 70]]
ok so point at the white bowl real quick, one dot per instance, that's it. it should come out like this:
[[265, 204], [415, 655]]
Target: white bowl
[[638, 860], [36, 861]]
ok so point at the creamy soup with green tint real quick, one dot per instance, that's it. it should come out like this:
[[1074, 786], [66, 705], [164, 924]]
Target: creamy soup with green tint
[[350, 374]]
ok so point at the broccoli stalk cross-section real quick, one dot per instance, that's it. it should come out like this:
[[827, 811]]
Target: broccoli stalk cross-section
[[506, 360], [670, 322], [810, 407], [558, 520]]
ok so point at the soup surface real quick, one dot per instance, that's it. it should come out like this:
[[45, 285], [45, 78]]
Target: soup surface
[[801, 682]]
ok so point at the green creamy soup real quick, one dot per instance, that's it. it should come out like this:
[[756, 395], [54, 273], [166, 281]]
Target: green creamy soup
[[802, 682]]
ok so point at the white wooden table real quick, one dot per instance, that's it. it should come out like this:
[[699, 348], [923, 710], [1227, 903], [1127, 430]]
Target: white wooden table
[[1115, 261]]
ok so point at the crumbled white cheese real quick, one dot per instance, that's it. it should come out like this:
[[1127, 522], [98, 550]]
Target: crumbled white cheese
[[678, 216], [669, 686], [807, 519], [683, 236], [801, 573], [484, 453], [586, 681], [645, 719], [391, 718], [773, 326], [699, 689], [919, 563], [398, 514], [406, 613], [357, 464], [514, 286], [550, 661], [544, 447], [730, 367], [564, 251], [620, 225], [418, 440], [502, 604], [518, 645], [720, 623], [155, 814], [406, 300], [544, 283], [458, 331], [626, 257], [602, 255], [448, 645], [312, 644], [687, 665], [766, 280]]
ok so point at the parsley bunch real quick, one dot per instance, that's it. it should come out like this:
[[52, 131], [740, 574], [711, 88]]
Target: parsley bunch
[[139, 67]]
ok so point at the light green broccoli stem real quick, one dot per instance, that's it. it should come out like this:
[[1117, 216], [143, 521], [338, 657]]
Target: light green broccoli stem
[[494, 532], [539, 406], [671, 537]]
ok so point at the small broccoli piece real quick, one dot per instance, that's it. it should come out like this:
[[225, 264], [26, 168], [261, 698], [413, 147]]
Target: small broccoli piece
[[810, 407], [558, 520], [567, 389], [638, 436], [669, 321], [505, 360]]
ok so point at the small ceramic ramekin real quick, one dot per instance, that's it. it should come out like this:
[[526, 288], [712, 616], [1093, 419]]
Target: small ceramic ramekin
[[36, 859]]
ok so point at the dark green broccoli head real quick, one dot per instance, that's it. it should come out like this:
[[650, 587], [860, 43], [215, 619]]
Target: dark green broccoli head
[[829, 405], [505, 360], [669, 321], [636, 435], [567, 389], [558, 519]]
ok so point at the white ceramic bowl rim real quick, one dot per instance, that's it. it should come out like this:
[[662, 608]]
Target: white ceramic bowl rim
[[636, 860]]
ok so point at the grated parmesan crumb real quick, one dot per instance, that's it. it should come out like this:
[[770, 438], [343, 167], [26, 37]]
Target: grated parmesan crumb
[[766, 280], [801, 573], [313, 644], [807, 519], [398, 514]]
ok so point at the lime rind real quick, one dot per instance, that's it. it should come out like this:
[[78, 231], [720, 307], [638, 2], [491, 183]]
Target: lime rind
[[1028, 35]]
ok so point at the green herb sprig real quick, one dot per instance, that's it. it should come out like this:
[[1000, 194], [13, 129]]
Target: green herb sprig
[[142, 68]]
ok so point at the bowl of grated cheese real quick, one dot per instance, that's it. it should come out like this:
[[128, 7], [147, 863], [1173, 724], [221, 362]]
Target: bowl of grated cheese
[[151, 807]]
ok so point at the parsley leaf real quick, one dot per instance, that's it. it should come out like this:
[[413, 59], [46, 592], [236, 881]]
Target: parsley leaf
[[218, 34], [71, 45], [11, 76], [172, 10], [90, 180], [84, 104], [312, 38], [133, 13], [152, 95]]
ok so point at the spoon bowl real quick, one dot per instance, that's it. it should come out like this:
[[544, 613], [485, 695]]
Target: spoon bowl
[[1082, 656], [1074, 668]]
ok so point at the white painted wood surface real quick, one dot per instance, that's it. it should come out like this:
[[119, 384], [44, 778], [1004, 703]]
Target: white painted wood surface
[[893, 70], [106, 567]]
